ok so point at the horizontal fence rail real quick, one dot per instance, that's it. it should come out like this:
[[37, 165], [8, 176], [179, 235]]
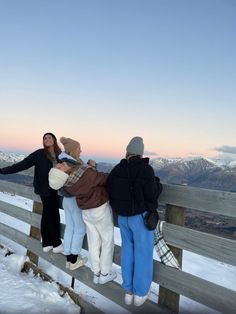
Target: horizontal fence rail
[[177, 281], [111, 290], [205, 244], [212, 201]]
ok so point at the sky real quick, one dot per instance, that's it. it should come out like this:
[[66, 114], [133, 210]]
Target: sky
[[28, 292], [102, 71]]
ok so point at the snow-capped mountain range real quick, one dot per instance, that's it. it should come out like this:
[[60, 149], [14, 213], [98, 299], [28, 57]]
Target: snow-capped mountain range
[[197, 171], [193, 171], [161, 162], [11, 157]]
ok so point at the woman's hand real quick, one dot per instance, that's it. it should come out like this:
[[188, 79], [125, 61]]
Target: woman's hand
[[92, 163]]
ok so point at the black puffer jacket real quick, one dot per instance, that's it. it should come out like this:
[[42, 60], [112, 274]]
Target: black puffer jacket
[[42, 166], [132, 187]]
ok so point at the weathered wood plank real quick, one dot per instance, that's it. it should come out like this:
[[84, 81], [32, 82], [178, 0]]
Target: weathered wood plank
[[21, 214], [31, 218], [219, 248], [35, 232], [111, 290], [174, 215], [19, 189], [212, 201], [200, 290], [198, 242], [217, 202], [195, 288]]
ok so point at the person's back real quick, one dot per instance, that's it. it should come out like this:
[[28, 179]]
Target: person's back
[[132, 187], [133, 191], [88, 185]]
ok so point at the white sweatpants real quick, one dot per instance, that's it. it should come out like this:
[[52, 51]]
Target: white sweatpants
[[100, 235]]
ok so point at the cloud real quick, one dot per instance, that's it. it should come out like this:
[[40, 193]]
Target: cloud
[[226, 149], [150, 153]]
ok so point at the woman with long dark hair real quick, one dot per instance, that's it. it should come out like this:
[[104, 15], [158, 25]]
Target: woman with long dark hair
[[43, 160]]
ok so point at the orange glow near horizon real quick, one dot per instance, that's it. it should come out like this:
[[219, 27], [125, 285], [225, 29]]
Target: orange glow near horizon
[[95, 151], [104, 145]]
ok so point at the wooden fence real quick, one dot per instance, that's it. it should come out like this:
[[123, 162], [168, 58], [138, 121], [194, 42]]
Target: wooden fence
[[173, 282]]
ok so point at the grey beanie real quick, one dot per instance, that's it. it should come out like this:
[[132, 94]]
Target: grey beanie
[[135, 146]]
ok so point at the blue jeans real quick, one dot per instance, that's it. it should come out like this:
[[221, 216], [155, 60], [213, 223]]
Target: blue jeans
[[136, 254], [75, 227]]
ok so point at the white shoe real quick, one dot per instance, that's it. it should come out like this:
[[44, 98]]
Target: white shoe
[[67, 264], [129, 298], [80, 262], [108, 277], [46, 249], [58, 249], [138, 301], [96, 278]]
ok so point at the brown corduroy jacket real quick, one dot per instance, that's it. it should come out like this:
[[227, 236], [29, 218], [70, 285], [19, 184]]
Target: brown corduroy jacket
[[90, 190]]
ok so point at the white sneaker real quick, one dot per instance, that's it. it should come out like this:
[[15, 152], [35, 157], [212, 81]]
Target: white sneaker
[[80, 262], [96, 278], [67, 264], [58, 249], [129, 298], [46, 249], [138, 301], [108, 277]]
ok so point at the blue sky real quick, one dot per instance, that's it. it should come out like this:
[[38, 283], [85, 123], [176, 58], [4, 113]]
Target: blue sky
[[104, 71]]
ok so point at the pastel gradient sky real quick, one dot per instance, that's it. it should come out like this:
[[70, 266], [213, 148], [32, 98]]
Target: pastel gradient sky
[[103, 71]]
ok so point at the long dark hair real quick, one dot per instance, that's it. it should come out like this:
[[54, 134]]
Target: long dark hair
[[56, 148]]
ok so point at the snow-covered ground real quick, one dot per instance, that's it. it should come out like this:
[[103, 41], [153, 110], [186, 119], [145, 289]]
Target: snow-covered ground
[[25, 293]]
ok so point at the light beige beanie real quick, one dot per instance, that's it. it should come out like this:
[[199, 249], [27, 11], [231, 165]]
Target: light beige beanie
[[69, 144]]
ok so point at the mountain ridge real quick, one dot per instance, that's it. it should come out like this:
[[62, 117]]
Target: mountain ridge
[[193, 171]]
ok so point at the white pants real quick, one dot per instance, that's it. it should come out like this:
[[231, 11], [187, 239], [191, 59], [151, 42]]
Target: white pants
[[100, 235]]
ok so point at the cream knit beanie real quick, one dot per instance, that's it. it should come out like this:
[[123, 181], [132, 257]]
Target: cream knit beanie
[[57, 178]]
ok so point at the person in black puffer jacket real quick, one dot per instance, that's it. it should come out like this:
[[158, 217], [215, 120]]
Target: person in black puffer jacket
[[43, 160], [133, 191]]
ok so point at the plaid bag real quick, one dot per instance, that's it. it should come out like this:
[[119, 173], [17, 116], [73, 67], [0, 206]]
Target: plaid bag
[[162, 249]]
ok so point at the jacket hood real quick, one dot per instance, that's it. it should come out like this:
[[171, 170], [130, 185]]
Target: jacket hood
[[134, 160]]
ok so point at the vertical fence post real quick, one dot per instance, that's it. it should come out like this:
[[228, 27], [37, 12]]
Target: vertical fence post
[[35, 232], [168, 298]]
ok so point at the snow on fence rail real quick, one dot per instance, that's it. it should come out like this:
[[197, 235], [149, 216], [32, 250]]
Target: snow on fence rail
[[173, 282]]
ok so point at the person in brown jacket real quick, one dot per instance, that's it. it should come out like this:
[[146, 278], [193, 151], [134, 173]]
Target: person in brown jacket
[[88, 186]]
